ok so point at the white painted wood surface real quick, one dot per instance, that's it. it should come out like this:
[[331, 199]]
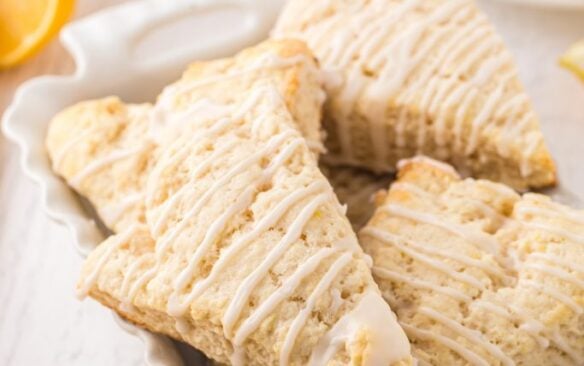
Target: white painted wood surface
[[41, 321]]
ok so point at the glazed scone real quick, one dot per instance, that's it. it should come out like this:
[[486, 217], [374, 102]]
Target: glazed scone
[[356, 188], [100, 148], [251, 258], [104, 148], [476, 273], [421, 77], [288, 62]]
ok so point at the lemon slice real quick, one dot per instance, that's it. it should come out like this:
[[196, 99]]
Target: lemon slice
[[573, 60], [27, 25]]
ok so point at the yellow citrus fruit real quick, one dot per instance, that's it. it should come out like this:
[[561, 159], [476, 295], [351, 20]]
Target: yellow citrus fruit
[[573, 60], [27, 25]]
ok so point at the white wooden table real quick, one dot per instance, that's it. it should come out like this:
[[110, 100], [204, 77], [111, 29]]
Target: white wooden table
[[42, 323]]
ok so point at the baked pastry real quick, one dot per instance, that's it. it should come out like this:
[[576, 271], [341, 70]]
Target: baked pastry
[[421, 77], [356, 188], [105, 148], [247, 254], [476, 273]]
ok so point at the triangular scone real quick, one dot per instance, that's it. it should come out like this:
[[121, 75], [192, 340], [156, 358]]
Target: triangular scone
[[478, 274], [421, 77], [100, 148], [105, 148], [253, 260]]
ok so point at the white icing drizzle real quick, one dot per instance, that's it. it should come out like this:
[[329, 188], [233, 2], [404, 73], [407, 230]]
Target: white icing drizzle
[[556, 338], [418, 360], [562, 345], [548, 211], [265, 62], [59, 157], [532, 326], [365, 315], [243, 201], [473, 336], [285, 290], [484, 241], [140, 282], [114, 243], [292, 235], [391, 239], [170, 203], [126, 284], [298, 323], [485, 209], [362, 42], [237, 358], [215, 229], [104, 161], [549, 208], [425, 76], [270, 147], [431, 262], [262, 225], [554, 272], [396, 70], [166, 127], [418, 283], [557, 260], [112, 213], [486, 111], [464, 352], [413, 189], [182, 325], [420, 159], [337, 300], [555, 230], [211, 235]]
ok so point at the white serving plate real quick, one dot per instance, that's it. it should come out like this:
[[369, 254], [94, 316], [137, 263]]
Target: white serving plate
[[131, 50]]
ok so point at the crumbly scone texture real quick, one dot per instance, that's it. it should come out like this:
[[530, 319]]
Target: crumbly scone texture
[[356, 189], [476, 273], [105, 148], [247, 254], [100, 148], [405, 78]]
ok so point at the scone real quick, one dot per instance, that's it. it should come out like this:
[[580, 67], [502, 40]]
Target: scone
[[478, 274], [356, 188], [421, 77], [247, 254], [105, 148]]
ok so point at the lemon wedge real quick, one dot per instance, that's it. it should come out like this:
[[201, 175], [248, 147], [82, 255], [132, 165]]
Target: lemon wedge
[[27, 25], [573, 60]]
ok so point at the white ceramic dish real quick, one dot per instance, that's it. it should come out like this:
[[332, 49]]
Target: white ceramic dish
[[131, 50]]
